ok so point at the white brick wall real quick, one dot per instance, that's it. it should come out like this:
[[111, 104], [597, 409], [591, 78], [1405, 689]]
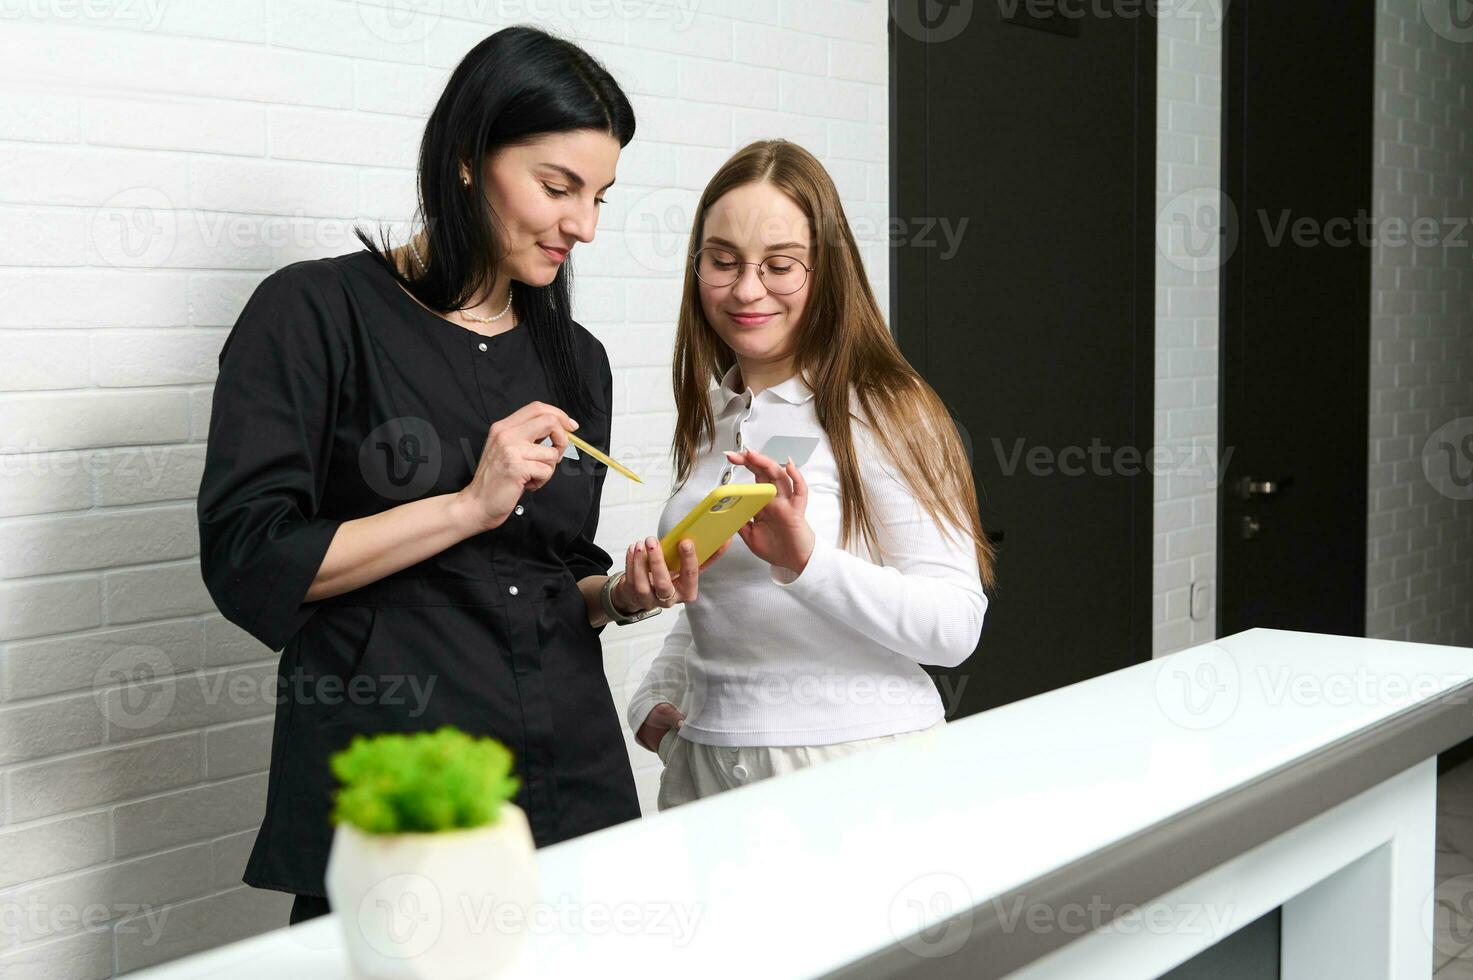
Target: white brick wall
[[1420, 546], [1188, 177], [157, 160]]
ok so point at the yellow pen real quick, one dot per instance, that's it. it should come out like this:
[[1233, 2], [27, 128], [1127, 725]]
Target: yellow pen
[[611, 464]]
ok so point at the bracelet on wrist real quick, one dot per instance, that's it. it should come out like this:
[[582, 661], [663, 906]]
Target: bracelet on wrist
[[613, 613], [614, 602]]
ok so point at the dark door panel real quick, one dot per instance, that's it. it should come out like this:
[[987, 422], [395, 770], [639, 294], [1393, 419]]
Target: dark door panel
[[1038, 332], [1296, 317]]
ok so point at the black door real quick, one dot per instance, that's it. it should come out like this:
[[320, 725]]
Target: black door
[[1296, 315], [1023, 168]]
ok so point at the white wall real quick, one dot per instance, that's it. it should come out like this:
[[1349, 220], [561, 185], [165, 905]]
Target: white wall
[[1420, 546], [1188, 180], [157, 160]]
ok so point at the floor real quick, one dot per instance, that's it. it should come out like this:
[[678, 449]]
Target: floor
[[1453, 918]]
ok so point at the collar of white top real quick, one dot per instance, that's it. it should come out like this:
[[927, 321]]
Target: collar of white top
[[794, 390]]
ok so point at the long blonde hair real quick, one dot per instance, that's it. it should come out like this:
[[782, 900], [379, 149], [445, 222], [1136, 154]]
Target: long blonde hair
[[842, 342]]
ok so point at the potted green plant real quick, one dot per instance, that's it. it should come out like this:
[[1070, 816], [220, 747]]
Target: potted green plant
[[429, 856]]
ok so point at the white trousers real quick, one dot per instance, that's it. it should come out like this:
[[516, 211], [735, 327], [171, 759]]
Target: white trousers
[[694, 770]]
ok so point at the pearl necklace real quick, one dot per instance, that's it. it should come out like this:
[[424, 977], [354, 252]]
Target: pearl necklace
[[413, 250]]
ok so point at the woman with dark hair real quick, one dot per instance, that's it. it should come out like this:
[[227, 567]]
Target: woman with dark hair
[[389, 494]]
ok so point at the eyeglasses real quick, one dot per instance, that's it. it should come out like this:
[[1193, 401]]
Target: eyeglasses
[[779, 273]]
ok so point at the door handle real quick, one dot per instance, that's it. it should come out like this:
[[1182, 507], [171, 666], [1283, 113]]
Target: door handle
[[1248, 487]]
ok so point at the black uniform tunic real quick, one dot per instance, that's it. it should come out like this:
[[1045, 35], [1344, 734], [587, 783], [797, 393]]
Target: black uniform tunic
[[339, 396]]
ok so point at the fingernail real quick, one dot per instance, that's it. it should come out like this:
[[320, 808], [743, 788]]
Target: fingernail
[[790, 461], [575, 424]]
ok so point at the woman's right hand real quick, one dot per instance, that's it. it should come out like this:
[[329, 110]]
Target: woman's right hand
[[662, 717], [513, 462]]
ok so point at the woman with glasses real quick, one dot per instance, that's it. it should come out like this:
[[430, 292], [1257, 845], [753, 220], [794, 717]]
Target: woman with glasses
[[807, 639]]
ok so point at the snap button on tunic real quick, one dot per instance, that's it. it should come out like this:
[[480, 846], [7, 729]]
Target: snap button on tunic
[[338, 396]]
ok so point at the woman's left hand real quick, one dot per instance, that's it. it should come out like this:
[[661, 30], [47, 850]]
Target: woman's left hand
[[780, 535]]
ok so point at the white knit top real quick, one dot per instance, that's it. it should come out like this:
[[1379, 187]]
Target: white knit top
[[764, 657]]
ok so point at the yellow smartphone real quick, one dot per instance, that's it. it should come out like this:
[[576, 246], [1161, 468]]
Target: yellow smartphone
[[715, 519]]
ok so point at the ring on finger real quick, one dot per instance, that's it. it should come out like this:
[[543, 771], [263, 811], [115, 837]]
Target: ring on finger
[[665, 598]]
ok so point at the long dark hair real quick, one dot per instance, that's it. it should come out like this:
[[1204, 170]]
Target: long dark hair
[[515, 86]]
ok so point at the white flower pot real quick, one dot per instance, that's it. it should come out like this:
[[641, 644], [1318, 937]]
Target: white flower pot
[[438, 906]]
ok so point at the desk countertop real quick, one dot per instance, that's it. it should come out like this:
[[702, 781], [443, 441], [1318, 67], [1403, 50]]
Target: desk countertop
[[800, 875]]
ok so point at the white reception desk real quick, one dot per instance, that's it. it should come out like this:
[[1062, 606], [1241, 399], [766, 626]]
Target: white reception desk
[[1113, 828]]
